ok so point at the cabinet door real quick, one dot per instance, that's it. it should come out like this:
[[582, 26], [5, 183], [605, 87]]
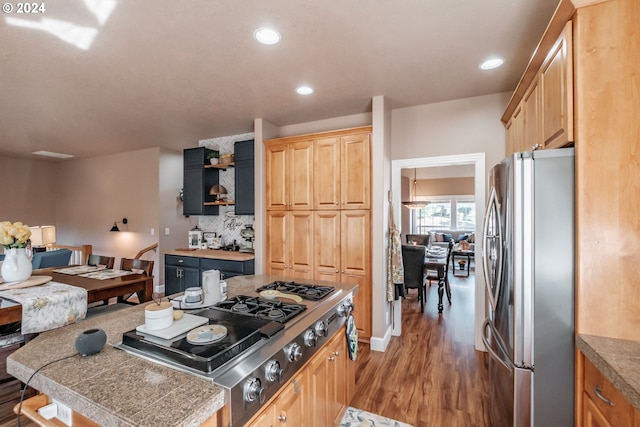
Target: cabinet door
[[276, 176], [556, 81], [290, 404], [337, 384], [301, 175], [326, 167], [327, 245], [355, 176], [317, 394], [531, 106], [300, 244], [591, 415], [355, 263], [177, 279], [244, 178], [277, 253], [355, 242], [266, 418], [515, 140]]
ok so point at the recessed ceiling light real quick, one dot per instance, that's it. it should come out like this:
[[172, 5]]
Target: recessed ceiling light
[[52, 154], [267, 35], [304, 90], [492, 63]]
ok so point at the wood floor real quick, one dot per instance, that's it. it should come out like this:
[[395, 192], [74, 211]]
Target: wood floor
[[431, 376]]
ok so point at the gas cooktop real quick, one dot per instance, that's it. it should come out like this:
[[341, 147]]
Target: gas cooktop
[[310, 292], [262, 308]]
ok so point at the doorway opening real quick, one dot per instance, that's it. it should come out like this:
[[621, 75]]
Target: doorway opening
[[478, 161]]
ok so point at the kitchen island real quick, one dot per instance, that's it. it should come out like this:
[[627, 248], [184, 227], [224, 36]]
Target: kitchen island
[[115, 388]]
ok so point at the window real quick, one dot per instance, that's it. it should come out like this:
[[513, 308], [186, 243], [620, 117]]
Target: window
[[445, 213]]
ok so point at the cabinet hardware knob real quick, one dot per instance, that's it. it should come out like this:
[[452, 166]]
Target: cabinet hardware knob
[[598, 393], [180, 261], [331, 359], [335, 353], [282, 418]]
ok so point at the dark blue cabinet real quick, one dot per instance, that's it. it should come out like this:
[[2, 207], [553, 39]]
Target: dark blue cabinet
[[244, 177], [197, 180]]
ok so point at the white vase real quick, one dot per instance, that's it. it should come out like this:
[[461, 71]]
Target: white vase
[[16, 266], [214, 161]]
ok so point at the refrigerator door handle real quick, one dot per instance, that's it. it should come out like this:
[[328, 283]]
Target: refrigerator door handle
[[492, 249], [490, 350]]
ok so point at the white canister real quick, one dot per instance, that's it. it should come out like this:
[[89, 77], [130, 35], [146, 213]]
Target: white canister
[[193, 295], [158, 316]]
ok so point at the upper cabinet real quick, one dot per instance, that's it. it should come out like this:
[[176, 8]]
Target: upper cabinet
[[200, 175], [556, 90], [289, 175], [244, 174], [342, 172], [197, 180], [540, 113]]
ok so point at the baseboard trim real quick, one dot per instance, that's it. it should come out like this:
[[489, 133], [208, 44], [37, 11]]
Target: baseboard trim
[[380, 344]]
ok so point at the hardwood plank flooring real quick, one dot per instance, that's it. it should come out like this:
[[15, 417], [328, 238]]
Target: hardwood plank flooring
[[431, 376]]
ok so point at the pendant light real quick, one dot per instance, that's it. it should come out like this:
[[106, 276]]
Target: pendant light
[[413, 203]]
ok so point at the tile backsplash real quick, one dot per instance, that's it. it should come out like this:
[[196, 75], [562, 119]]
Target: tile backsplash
[[226, 224]]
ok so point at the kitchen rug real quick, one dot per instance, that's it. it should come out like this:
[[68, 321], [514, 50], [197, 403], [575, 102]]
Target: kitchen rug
[[354, 417]]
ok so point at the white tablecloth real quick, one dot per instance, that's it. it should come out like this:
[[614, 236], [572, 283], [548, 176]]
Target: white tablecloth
[[48, 306]]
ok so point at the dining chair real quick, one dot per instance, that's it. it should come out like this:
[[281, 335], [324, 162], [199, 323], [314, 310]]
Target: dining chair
[[107, 261], [413, 264], [447, 286], [136, 265]]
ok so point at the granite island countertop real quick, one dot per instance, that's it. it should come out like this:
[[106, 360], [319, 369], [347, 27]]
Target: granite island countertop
[[116, 388], [618, 360]]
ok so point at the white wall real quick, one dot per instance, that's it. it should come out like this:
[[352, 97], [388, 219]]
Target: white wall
[[445, 130], [469, 125]]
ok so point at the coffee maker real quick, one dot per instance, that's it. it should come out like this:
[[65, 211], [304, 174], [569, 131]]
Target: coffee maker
[[248, 234]]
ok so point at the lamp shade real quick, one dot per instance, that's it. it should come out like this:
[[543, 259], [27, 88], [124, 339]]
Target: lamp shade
[[115, 224], [412, 203], [43, 235], [217, 189]]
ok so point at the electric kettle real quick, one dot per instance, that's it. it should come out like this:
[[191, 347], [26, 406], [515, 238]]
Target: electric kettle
[[212, 287]]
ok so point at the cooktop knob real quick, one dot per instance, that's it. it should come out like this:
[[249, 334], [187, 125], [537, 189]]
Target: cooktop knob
[[345, 308], [310, 338], [273, 371], [293, 352], [253, 390], [320, 328]]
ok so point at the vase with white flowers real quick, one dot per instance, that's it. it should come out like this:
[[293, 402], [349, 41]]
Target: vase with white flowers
[[15, 237]]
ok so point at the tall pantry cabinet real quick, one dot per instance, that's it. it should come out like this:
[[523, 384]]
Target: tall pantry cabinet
[[318, 219]]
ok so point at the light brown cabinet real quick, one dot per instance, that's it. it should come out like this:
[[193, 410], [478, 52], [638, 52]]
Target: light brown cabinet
[[328, 378], [329, 175], [319, 393], [289, 175], [290, 244], [556, 86], [540, 113], [602, 403], [342, 172], [343, 254]]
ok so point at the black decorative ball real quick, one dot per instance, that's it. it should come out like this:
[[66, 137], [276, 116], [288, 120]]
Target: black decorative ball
[[91, 341]]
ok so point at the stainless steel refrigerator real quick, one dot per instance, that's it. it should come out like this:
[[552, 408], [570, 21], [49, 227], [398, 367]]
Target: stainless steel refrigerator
[[528, 261]]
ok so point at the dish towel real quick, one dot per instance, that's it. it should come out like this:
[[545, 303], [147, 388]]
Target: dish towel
[[49, 306], [352, 337], [395, 269]]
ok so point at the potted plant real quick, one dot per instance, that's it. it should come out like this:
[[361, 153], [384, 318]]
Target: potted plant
[[214, 157]]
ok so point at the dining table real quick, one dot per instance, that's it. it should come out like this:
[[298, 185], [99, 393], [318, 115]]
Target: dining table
[[97, 289]]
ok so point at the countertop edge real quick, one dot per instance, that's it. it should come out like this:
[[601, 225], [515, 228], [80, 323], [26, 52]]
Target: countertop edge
[[618, 360], [213, 254]]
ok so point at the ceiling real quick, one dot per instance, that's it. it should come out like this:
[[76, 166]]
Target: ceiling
[[151, 73]]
